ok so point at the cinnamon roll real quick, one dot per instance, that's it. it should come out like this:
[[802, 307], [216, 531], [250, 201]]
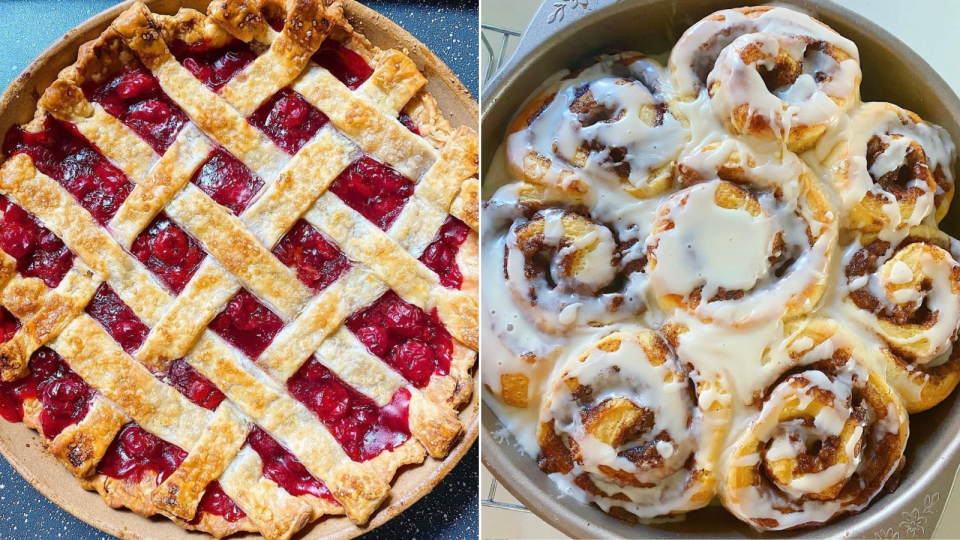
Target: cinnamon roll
[[891, 169], [826, 441], [770, 72], [612, 122], [564, 269], [746, 240], [622, 425], [908, 296]]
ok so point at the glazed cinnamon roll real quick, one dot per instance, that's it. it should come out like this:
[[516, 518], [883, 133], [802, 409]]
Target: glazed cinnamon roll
[[564, 269], [892, 170], [908, 296], [612, 122], [770, 72], [747, 240], [825, 442], [622, 425]]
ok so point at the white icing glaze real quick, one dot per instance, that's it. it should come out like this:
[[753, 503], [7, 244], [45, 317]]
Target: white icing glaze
[[697, 51], [628, 113], [841, 159], [814, 99], [733, 351]]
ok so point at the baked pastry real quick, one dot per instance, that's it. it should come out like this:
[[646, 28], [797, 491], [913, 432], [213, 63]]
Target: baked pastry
[[757, 322], [239, 267]]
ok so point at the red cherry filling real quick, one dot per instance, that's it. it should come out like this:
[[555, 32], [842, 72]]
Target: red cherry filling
[[217, 503], [289, 120], [408, 123], [247, 324], [227, 181], [64, 396], [375, 190], [441, 255], [39, 253], [410, 341], [275, 19], [346, 65], [134, 97], [317, 261], [134, 451], [214, 67], [63, 155], [170, 253], [362, 429], [284, 468], [8, 325], [117, 319], [193, 385]]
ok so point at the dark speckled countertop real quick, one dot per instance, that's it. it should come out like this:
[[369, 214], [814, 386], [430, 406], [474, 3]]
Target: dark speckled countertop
[[449, 28]]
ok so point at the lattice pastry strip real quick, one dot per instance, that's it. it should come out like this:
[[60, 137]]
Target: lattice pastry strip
[[81, 446], [204, 107], [433, 182], [173, 212], [61, 306], [362, 241], [34, 191], [436, 428], [451, 159]]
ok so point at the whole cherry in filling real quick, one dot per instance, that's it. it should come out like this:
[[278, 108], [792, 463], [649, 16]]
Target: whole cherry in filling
[[441, 255], [346, 65], [408, 123], [134, 452], [227, 181], [214, 67], [193, 385], [169, 252], [412, 342], [8, 325], [64, 396], [117, 319], [284, 468], [217, 503], [134, 97], [363, 429], [289, 120], [247, 324], [318, 262], [63, 155], [374, 189], [39, 253]]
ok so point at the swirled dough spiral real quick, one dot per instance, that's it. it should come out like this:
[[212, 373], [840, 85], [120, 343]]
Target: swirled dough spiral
[[826, 441], [621, 422]]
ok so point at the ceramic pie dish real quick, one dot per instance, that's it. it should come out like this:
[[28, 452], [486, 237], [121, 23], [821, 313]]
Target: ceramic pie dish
[[142, 425], [569, 36]]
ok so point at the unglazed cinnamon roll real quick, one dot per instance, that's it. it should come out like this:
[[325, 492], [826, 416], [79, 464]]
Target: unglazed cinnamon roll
[[891, 169], [623, 426], [908, 296], [745, 241], [562, 269], [826, 441], [770, 72], [611, 122]]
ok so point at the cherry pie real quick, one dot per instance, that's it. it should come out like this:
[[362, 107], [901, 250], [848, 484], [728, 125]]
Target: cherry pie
[[238, 267]]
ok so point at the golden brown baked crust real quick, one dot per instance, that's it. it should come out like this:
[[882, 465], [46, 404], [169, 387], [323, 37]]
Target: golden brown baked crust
[[443, 163]]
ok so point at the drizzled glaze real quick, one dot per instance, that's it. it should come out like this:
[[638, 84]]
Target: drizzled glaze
[[792, 253]]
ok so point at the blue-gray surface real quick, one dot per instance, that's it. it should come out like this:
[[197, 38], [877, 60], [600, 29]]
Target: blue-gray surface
[[449, 28]]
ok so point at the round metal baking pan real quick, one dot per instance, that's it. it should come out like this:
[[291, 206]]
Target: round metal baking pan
[[567, 34], [22, 447]]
